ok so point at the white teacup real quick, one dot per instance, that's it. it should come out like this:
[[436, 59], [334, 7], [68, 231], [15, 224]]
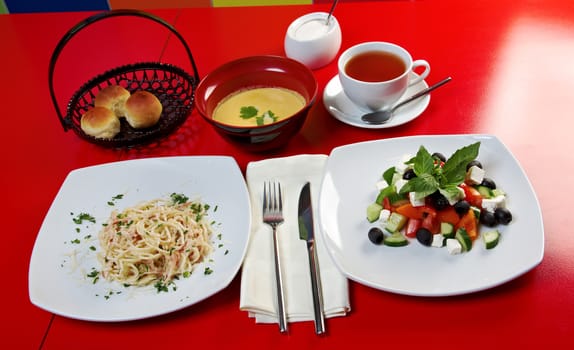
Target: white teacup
[[312, 41], [374, 75]]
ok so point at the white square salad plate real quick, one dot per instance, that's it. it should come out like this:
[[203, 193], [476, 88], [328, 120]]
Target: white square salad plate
[[349, 187], [65, 252]]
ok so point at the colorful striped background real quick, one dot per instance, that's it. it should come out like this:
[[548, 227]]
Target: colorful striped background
[[27, 6]]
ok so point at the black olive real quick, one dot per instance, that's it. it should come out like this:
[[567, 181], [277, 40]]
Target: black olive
[[488, 182], [439, 156], [409, 174], [376, 235], [503, 216], [439, 201], [461, 207], [424, 236], [487, 218], [473, 163]]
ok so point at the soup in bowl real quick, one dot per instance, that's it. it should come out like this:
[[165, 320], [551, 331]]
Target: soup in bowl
[[259, 102]]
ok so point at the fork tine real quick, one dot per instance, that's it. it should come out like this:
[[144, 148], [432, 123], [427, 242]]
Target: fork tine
[[274, 199], [265, 202], [280, 206]]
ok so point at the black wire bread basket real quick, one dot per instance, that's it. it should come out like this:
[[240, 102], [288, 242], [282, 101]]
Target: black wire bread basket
[[173, 86]]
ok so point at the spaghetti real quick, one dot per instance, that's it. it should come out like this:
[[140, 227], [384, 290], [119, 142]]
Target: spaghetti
[[155, 242]]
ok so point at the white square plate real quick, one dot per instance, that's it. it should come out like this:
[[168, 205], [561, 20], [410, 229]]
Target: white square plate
[[349, 187], [58, 271]]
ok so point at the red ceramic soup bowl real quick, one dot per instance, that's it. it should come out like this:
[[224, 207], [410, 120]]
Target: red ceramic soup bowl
[[255, 72]]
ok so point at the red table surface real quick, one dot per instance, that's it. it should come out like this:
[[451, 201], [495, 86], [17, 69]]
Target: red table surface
[[512, 77]]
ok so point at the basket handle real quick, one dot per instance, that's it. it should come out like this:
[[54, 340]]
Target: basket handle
[[95, 18]]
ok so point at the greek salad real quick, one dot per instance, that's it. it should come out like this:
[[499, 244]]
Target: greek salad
[[439, 202]]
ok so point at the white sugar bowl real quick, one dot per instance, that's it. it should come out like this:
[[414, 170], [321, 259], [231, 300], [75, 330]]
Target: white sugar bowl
[[312, 41]]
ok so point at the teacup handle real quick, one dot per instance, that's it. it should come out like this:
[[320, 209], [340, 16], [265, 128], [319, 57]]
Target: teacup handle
[[423, 75]]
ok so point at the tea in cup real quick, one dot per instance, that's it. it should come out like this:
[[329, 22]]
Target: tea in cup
[[374, 75]]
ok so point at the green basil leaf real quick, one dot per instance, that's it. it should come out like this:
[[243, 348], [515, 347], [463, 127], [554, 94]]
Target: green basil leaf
[[388, 175], [450, 191], [410, 161], [423, 162], [454, 169], [424, 185]]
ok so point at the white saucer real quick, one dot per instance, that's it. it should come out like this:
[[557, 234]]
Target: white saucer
[[343, 109]]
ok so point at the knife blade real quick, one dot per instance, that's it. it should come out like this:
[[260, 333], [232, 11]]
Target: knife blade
[[307, 233]]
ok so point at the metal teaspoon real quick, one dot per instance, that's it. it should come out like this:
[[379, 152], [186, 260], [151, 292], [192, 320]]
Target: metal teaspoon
[[381, 117], [331, 11]]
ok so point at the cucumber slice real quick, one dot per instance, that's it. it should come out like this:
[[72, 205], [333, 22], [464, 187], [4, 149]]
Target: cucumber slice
[[484, 191], [373, 212], [447, 229], [464, 239], [396, 222], [491, 239], [498, 192], [395, 239], [476, 213]]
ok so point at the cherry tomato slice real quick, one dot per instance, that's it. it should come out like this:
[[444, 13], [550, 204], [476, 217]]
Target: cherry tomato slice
[[471, 195], [448, 214], [415, 212]]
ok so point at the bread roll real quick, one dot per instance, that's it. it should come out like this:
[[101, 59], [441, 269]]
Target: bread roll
[[143, 109], [113, 97], [100, 122]]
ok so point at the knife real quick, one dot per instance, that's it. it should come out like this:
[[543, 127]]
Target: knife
[[306, 233]]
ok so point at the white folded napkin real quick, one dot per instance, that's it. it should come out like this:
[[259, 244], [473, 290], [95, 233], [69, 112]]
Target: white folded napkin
[[258, 293]]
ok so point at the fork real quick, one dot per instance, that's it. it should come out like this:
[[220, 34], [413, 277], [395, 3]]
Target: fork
[[273, 216]]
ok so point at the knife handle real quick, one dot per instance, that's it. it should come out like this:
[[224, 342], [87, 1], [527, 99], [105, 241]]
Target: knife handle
[[316, 288]]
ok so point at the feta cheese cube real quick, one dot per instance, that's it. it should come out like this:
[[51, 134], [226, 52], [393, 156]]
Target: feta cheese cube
[[414, 201], [475, 175], [453, 246], [396, 177], [384, 216], [437, 240], [381, 185], [399, 184], [453, 198], [401, 167], [491, 204]]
